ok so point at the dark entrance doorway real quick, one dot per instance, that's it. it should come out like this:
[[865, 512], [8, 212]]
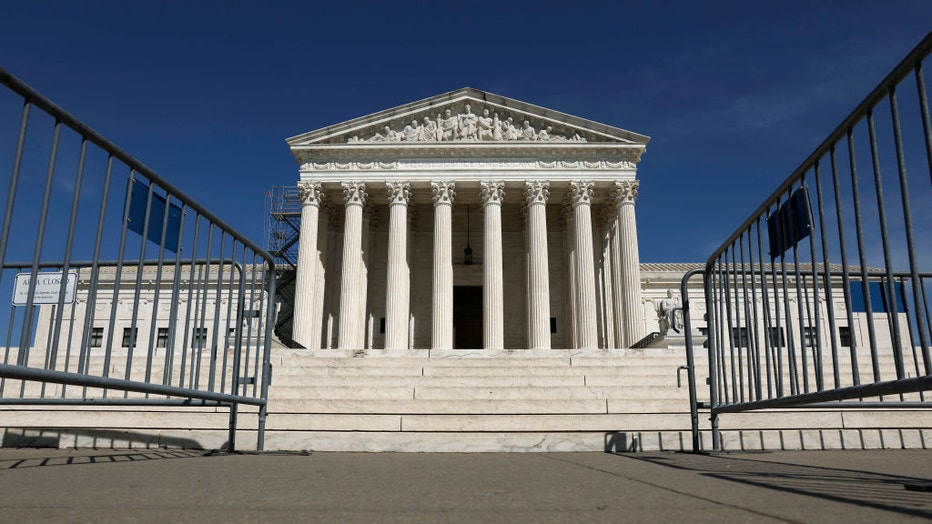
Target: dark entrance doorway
[[467, 317]]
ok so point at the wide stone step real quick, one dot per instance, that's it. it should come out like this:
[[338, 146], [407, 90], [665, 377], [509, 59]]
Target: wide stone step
[[478, 406], [491, 393]]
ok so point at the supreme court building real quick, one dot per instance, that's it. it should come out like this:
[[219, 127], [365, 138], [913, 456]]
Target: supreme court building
[[466, 221]]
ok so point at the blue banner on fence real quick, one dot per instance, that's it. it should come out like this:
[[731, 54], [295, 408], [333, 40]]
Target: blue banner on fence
[[789, 223], [137, 216]]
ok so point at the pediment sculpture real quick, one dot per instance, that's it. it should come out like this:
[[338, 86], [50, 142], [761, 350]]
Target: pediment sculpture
[[467, 126]]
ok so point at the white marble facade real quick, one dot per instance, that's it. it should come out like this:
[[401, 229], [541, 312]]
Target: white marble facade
[[545, 201]]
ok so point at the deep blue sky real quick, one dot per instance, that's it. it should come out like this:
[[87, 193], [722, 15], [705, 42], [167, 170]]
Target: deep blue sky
[[734, 94]]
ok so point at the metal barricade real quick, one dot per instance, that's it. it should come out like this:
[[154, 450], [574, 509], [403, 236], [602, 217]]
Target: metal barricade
[[124, 290], [819, 298]]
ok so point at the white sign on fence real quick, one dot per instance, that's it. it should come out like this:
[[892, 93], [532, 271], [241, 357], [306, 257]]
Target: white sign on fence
[[48, 286]]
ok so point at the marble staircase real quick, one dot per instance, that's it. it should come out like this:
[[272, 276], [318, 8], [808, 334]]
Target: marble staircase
[[454, 401]]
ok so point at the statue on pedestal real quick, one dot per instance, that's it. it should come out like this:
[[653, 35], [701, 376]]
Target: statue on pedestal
[[670, 313]]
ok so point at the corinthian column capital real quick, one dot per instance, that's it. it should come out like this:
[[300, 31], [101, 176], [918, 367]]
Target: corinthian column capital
[[398, 192], [536, 191], [492, 192], [443, 192], [581, 192], [310, 193], [625, 192], [354, 193]]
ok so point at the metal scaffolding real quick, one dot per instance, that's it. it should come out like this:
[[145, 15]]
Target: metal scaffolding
[[283, 225]]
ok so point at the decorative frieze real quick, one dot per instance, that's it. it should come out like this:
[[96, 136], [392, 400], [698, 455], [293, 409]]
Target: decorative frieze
[[629, 159], [466, 126]]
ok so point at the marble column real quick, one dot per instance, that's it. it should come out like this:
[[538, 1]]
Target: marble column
[[629, 269], [606, 220], [442, 305], [586, 316], [352, 285], [398, 283], [493, 298], [320, 271], [306, 278], [569, 237], [536, 194]]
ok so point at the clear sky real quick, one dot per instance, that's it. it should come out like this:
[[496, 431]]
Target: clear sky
[[734, 94]]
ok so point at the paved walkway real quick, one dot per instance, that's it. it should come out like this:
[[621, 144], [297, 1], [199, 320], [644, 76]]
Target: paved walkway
[[190, 486]]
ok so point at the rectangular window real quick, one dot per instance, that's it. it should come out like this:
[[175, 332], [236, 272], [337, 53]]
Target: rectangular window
[[776, 338], [553, 324], [130, 335], [739, 337], [161, 339], [199, 337], [97, 337], [810, 336], [844, 336], [382, 325]]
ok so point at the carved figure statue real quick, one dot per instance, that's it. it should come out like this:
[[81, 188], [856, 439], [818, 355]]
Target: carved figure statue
[[496, 127], [577, 138], [411, 132], [468, 121], [389, 136], [544, 134], [428, 131], [670, 313], [508, 129], [527, 132], [448, 126], [486, 126]]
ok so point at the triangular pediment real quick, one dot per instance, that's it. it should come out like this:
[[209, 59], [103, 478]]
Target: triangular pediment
[[467, 116]]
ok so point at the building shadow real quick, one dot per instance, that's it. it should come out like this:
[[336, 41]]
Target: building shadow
[[896, 493], [98, 438], [621, 442]]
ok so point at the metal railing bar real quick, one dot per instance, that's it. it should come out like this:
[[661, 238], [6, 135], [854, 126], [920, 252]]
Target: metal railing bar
[[898, 73], [14, 181], [153, 323], [173, 310], [892, 320], [35, 98], [215, 335], [190, 304], [908, 226], [95, 270], [829, 298], [862, 259], [61, 377], [92, 401], [875, 389], [768, 349], [79, 177], [118, 276], [846, 277], [133, 326], [71, 323], [26, 331]]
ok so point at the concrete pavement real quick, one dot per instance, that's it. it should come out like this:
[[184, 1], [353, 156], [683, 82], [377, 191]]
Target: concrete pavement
[[193, 486]]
